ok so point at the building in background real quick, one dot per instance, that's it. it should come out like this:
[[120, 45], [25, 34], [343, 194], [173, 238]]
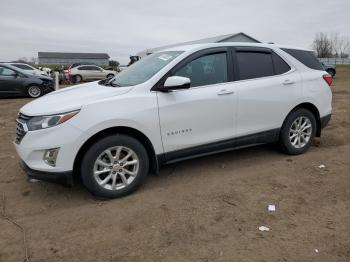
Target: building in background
[[56, 58], [239, 37]]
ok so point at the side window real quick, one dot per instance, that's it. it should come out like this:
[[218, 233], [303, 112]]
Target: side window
[[254, 64], [83, 68], [94, 68], [280, 65], [24, 67], [206, 70], [6, 72]]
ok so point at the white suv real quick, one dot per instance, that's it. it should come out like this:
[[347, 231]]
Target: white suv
[[172, 105]]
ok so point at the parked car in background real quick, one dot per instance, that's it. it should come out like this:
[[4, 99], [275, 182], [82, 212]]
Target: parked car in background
[[89, 72], [331, 69], [29, 69], [14, 81], [46, 70], [176, 104]]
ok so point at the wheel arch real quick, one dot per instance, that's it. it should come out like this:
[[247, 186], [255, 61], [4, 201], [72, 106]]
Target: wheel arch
[[141, 137], [313, 109], [75, 75]]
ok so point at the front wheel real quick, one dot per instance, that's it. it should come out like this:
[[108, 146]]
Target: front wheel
[[298, 132], [34, 91], [114, 166]]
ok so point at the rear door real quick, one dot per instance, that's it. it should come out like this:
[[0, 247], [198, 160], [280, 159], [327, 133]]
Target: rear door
[[97, 72], [204, 113], [84, 71], [267, 89]]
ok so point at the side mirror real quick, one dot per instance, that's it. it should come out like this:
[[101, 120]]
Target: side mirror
[[176, 83]]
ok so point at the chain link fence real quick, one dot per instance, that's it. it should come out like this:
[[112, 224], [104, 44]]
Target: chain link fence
[[336, 61]]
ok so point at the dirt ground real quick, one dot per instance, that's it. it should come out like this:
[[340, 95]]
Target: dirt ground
[[208, 209]]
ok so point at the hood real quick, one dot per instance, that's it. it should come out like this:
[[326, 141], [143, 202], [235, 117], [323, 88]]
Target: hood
[[71, 98], [35, 74]]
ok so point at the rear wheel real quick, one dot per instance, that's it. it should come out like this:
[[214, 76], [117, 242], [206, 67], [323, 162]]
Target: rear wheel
[[114, 166], [298, 132], [34, 91], [331, 72]]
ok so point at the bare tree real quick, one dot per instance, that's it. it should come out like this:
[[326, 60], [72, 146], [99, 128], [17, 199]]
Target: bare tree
[[331, 45], [343, 48], [322, 45], [33, 60]]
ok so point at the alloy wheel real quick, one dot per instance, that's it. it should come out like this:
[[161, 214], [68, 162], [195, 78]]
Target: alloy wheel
[[34, 91], [300, 132], [116, 168]]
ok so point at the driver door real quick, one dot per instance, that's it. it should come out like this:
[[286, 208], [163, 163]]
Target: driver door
[[205, 113], [10, 81]]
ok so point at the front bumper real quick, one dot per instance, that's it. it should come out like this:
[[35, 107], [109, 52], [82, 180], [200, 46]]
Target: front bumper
[[64, 178], [33, 145]]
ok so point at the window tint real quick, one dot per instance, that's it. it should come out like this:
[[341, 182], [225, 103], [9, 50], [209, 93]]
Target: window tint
[[206, 70], [306, 57], [94, 68], [254, 64], [83, 68], [280, 65], [6, 72]]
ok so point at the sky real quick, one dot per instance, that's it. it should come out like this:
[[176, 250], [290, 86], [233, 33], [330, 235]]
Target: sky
[[122, 28]]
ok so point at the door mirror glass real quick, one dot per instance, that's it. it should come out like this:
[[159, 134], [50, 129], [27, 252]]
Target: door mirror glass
[[177, 82]]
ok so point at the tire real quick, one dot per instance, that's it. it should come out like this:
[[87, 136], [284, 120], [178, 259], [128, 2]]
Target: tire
[[291, 132], [34, 91], [98, 173], [331, 72], [110, 76], [77, 79]]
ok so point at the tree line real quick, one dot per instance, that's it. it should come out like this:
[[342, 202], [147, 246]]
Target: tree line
[[331, 45]]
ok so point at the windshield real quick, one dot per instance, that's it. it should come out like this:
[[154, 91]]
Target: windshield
[[144, 69]]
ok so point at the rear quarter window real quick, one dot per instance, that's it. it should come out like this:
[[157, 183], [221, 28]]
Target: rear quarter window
[[306, 57], [280, 65]]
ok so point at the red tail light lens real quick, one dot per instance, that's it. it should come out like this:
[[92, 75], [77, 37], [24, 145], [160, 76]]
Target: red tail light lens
[[328, 79]]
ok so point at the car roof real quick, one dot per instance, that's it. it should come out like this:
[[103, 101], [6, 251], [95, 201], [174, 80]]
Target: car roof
[[209, 45]]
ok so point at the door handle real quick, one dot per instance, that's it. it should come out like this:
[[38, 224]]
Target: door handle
[[288, 82], [225, 92]]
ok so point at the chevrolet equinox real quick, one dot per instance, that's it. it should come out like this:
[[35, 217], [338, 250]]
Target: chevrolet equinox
[[172, 105]]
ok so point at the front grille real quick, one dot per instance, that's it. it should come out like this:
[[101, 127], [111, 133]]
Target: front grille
[[20, 127]]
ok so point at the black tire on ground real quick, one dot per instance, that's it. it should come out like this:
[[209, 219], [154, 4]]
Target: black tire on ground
[[331, 72], [285, 133], [34, 91], [77, 79], [88, 162]]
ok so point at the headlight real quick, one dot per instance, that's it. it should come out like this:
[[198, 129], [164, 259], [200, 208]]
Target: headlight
[[41, 122]]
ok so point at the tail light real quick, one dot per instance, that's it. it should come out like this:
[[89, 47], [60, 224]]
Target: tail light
[[328, 78]]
